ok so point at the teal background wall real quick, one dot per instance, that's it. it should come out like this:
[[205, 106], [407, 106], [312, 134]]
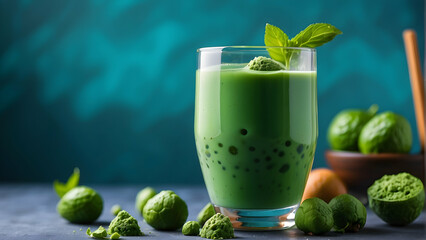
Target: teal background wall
[[108, 86]]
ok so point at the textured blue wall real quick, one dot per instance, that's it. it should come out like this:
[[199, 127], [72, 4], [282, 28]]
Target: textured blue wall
[[109, 85]]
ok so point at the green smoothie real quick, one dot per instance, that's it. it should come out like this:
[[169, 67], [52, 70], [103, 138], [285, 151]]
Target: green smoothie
[[256, 133]]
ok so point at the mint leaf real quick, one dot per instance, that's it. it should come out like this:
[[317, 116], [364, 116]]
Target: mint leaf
[[275, 37], [315, 35], [72, 182]]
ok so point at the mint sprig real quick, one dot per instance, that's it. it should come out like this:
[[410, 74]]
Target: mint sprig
[[274, 36], [73, 180], [313, 36]]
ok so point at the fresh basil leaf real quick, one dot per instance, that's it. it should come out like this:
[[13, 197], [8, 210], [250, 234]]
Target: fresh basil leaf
[[315, 35], [275, 37], [73, 180]]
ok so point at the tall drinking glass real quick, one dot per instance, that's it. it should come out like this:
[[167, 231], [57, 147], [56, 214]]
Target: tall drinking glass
[[256, 133]]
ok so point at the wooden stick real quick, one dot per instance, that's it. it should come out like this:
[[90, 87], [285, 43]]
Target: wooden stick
[[416, 78]]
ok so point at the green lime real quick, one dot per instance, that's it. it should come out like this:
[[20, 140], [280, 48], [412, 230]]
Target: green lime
[[349, 214], [386, 133], [218, 227], [397, 199], [314, 216], [346, 126], [206, 213], [143, 196], [80, 205], [165, 211], [191, 228], [125, 225]]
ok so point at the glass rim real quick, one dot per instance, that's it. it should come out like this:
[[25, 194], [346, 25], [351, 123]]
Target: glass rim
[[252, 48]]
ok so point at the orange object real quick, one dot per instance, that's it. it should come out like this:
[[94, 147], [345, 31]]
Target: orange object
[[416, 79], [325, 184]]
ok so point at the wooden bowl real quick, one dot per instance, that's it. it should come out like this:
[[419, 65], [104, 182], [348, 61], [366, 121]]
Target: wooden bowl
[[359, 171]]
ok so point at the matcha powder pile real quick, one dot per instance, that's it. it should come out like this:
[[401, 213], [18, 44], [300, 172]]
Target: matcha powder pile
[[125, 225], [217, 227]]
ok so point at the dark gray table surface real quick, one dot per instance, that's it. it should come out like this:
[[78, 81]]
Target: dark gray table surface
[[28, 211]]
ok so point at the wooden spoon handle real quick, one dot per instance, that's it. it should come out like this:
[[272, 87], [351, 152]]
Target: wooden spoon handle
[[416, 79]]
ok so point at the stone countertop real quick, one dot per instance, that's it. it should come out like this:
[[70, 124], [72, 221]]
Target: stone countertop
[[28, 211]]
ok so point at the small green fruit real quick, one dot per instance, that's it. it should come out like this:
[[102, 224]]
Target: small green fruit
[[80, 205], [143, 196], [165, 211], [397, 199], [346, 127], [314, 216], [349, 214], [206, 213], [386, 133]]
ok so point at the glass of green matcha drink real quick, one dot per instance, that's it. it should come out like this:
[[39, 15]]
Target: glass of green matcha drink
[[256, 131]]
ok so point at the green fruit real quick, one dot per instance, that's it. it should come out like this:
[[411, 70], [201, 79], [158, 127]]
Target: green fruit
[[206, 213], [125, 225], [165, 211], [80, 205], [314, 216], [349, 214], [397, 199], [143, 196], [218, 227], [115, 209], [386, 133], [346, 126], [191, 228]]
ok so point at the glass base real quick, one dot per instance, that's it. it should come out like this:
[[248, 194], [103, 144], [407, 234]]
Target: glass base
[[260, 220]]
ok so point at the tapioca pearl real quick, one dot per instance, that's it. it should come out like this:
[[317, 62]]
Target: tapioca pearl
[[215, 152], [270, 166], [237, 167], [300, 148], [233, 150], [252, 149], [288, 188], [219, 162], [281, 154], [220, 145], [256, 160], [207, 165], [284, 168], [275, 150], [288, 143], [302, 156], [268, 158], [207, 153], [207, 146], [247, 169], [243, 132], [223, 168]]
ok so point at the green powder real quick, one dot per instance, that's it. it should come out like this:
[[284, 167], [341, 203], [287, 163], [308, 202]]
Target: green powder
[[396, 187]]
